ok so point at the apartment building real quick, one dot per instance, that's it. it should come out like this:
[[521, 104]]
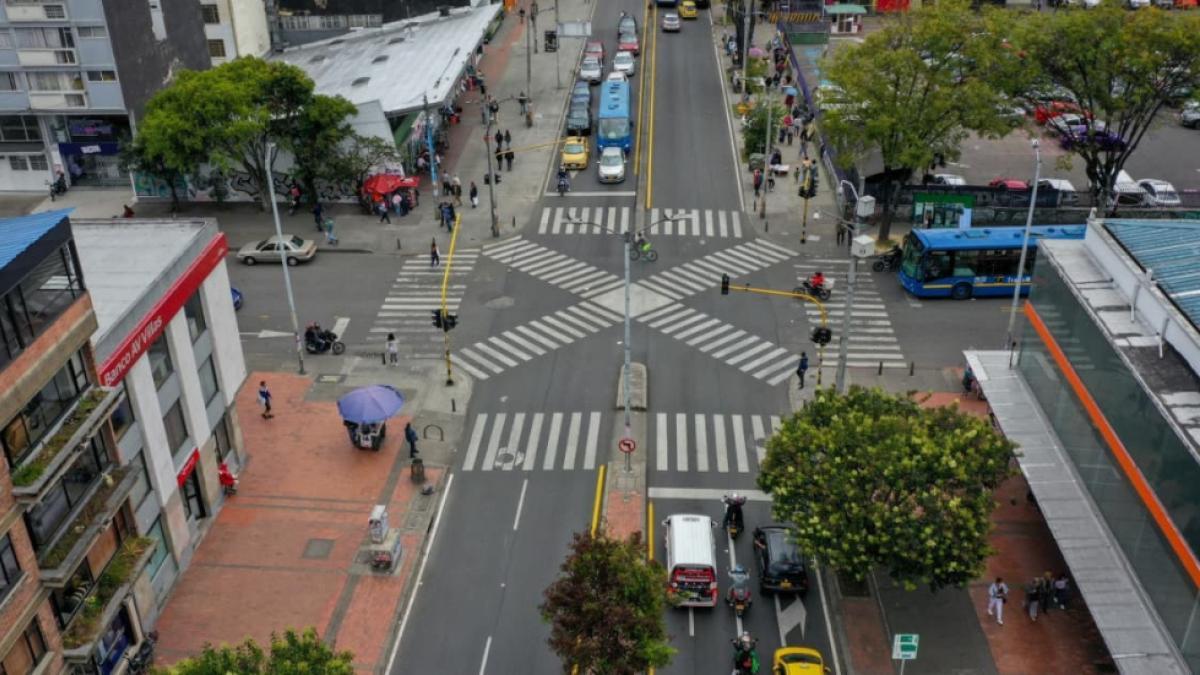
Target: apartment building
[[235, 28], [75, 75]]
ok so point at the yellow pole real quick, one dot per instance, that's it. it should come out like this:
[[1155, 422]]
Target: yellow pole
[[445, 287], [651, 73], [637, 139]]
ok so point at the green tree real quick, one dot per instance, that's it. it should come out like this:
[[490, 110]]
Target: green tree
[[606, 609], [1121, 68], [754, 133], [912, 92], [292, 654], [358, 157], [170, 164], [233, 111], [873, 479]]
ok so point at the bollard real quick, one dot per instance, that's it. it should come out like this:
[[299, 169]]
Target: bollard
[[514, 222], [880, 368], [911, 365], [383, 358], [398, 246], [766, 226], [453, 405]]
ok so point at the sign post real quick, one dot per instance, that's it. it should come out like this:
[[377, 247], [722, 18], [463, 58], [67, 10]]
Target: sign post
[[904, 648], [627, 445]]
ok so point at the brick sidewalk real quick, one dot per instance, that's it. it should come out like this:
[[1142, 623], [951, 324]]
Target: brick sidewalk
[[284, 550]]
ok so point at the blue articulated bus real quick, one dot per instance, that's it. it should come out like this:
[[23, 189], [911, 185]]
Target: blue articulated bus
[[614, 126], [978, 262]]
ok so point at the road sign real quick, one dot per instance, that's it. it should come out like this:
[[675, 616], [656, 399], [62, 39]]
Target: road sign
[[904, 646], [627, 445]]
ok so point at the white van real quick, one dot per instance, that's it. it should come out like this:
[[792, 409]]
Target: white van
[[1066, 191], [1127, 191], [691, 560]]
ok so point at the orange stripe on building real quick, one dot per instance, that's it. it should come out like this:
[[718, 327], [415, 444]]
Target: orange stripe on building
[[1140, 485]]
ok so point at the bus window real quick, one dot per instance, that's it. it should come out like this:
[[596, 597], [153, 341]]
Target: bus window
[[912, 256], [938, 265], [966, 263]]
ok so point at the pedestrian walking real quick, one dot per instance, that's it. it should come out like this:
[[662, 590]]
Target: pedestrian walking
[[802, 368], [330, 237], [456, 190], [318, 212], [405, 205], [474, 195], [1046, 592], [295, 194], [757, 180], [841, 234], [1061, 588], [523, 101], [382, 209], [509, 155], [499, 140], [393, 350], [435, 257], [410, 435], [997, 596], [494, 108], [396, 201], [507, 139], [521, 13], [1031, 602], [499, 159], [264, 399]]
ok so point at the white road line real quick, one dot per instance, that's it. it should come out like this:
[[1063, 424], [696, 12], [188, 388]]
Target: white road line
[[514, 437], [742, 356], [531, 444], [704, 494], [487, 647], [773, 354], [589, 453], [660, 423], [681, 456], [520, 503], [476, 436], [739, 444], [466, 365], [340, 325], [572, 442], [717, 343], [701, 444], [759, 434], [719, 448], [494, 354], [466, 351], [493, 446], [736, 346], [552, 441]]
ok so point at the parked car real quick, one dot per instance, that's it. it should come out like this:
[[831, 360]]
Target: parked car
[[628, 42], [1068, 195], [275, 249], [1105, 140], [1009, 183], [1128, 191], [624, 62], [627, 24], [1190, 115], [591, 70], [611, 165], [595, 49], [948, 179], [1160, 192], [575, 153], [1046, 110], [780, 565], [670, 22], [1073, 123], [579, 121], [581, 93]]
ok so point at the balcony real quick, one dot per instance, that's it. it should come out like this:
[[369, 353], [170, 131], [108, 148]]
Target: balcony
[[93, 516], [35, 10], [46, 464], [47, 57], [105, 597], [56, 101]]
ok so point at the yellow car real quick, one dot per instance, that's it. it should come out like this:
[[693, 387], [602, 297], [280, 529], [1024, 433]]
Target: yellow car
[[575, 153], [798, 661], [687, 9]]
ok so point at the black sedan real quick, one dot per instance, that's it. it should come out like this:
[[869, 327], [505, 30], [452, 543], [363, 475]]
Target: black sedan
[[781, 567], [579, 121]]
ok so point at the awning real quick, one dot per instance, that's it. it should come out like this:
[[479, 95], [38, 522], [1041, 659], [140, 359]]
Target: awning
[[383, 184], [845, 9]]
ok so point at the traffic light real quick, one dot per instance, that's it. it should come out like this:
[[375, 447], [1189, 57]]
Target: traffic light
[[449, 322], [822, 335], [437, 318], [724, 284], [815, 179]]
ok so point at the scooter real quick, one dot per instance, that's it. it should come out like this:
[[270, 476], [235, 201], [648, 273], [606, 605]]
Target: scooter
[[563, 187], [139, 661], [738, 596], [734, 522], [318, 341], [745, 658], [887, 262], [823, 293]]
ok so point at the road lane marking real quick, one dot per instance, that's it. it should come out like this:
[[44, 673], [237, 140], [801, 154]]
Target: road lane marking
[[681, 453], [572, 442], [514, 437], [720, 449], [520, 503], [660, 423], [487, 647], [599, 498], [476, 437], [434, 528], [589, 452], [837, 664], [552, 441], [703, 494], [339, 327], [535, 432], [739, 444], [489, 458], [701, 444]]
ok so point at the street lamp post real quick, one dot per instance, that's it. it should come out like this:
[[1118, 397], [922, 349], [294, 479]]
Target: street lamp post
[[491, 179], [762, 210], [287, 275], [862, 208], [557, 69], [1016, 301]]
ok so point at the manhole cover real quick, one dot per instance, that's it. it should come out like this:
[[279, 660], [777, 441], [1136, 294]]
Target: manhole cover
[[318, 549], [508, 458], [503, 302]]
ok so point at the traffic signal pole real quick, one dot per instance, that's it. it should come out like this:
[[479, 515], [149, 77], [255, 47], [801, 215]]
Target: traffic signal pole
[[445, 316], [820, 336]]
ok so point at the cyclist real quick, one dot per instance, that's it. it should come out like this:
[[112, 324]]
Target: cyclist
[[643, 246]]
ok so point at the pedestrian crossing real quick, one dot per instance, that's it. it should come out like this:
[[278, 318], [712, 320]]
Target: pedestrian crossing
[[570, 441], [595, 220], [535, 338], [704, 273], [872, 340], [758, 358], [569, 274], [416, 292]]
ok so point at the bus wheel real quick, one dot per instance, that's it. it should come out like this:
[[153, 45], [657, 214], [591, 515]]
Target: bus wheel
[[961, 292]]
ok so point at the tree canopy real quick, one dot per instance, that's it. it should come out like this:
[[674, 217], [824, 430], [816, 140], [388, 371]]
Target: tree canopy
[[292, 654], [873, 479], [606, 609], [225, 116], [1119, 67]]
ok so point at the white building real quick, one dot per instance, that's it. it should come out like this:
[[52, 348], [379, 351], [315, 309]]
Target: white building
[[168, 336], [235, 28]]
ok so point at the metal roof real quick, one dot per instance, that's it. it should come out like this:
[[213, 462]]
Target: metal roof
[[1171, 250], [398, 64], [845, 9], [18, 234]]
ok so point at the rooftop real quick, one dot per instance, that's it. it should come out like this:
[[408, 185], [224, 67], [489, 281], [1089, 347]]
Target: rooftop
[[398, 65], [124, 261], [1170, 250], [22, 232]]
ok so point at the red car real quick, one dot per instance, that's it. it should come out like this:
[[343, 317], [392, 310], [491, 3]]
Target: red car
[[1048, 110], [628, 42], [594, 48], [1009, 184]]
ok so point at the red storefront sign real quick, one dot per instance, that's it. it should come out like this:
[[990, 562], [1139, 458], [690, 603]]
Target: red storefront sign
[[152, 325], [188, 467]]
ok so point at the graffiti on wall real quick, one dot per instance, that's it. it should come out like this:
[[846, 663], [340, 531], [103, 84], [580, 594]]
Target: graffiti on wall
[[209, 185]]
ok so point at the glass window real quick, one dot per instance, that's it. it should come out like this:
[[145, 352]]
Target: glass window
[[18, 163], [10, 569], [70, 598], [26, 653], [122, 418], [102, 76], [92, 32], [40, 414], [45, 38], [8, 82], [208, 380], [38, 163], [45, 519], [160, 360], [14, 128], [193, 311], [161, 550], [55, 81], [224, 438], [49, 289], [143, 487], [210, 13], [177, 433], [937, 265], [6, 40], [216, 49], [193, 503]]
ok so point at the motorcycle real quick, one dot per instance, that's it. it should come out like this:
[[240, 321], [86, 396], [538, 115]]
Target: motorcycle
[[734, 521], [563, 186], [745, 658], [887, 261], [738, 596], [140, 660], [319, 341], [823, 293]]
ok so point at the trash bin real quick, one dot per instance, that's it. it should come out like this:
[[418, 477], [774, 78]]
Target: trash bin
[[417, 470], [551, 41]]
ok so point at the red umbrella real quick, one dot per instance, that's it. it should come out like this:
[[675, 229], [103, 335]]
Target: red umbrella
[[383, 184]]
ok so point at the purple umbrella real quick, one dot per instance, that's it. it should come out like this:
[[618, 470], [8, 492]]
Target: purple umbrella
[[370, 405], [757, 52]]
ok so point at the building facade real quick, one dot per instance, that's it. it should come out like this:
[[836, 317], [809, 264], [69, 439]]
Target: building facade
[[235, 28], [113, 418], [75, 75], [304, 21]]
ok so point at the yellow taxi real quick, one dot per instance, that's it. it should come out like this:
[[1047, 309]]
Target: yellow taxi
[[798, 661], [575, 153], [687, 9]]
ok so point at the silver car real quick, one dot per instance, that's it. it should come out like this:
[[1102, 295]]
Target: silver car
[[611, 165], [670, 22], [591, 70], [624, 62], [274, 249]]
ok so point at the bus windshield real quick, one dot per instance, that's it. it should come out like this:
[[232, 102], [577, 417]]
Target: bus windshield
[[614, 129], [911, 262]]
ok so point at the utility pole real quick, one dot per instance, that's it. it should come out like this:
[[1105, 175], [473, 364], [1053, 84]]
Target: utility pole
[[533, 12], [862, 207], [746, 49], [1016, 301], [768, 174], [287, 275], [491, 179], [429, 144], [529, 42], [557, 47]]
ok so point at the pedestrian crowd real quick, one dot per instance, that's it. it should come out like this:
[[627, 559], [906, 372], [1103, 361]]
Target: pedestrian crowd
[[1041, 595]]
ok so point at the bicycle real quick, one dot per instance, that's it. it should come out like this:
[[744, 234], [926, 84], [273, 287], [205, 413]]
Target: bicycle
[[648, 253]]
